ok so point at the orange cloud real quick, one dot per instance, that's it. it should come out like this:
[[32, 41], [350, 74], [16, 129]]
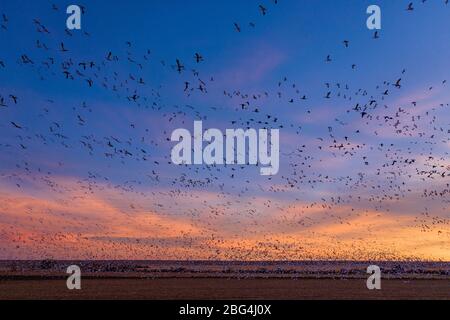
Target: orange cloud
[[106, 224]]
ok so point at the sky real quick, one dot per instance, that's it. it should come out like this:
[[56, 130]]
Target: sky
[[86, 119]]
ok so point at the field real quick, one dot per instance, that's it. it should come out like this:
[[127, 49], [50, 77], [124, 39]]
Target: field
[[221, 280], [216, 288]]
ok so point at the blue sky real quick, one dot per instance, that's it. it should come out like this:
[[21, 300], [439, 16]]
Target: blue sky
[[292, 42]]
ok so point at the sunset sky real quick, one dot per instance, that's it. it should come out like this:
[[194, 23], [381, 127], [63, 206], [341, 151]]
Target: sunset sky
[[85, 170]]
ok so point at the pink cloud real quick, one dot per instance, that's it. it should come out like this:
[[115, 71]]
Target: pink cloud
[[251, 66]]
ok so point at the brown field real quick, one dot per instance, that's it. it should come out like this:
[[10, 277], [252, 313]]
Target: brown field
[[220, 288], [203, 280]]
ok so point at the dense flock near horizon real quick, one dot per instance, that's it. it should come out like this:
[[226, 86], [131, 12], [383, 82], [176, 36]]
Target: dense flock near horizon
[[133, 203]]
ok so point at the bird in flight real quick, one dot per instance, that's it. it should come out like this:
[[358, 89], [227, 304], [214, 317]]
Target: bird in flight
[[13, 98], [198, 58], [180, 67], [263, 10], [2, 102], [63, 49], [16, 125], [26, 60]]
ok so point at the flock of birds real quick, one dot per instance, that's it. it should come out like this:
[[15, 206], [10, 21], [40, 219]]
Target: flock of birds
[[221, 208]]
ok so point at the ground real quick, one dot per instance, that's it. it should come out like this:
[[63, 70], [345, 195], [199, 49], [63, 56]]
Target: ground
[[220, 288]]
